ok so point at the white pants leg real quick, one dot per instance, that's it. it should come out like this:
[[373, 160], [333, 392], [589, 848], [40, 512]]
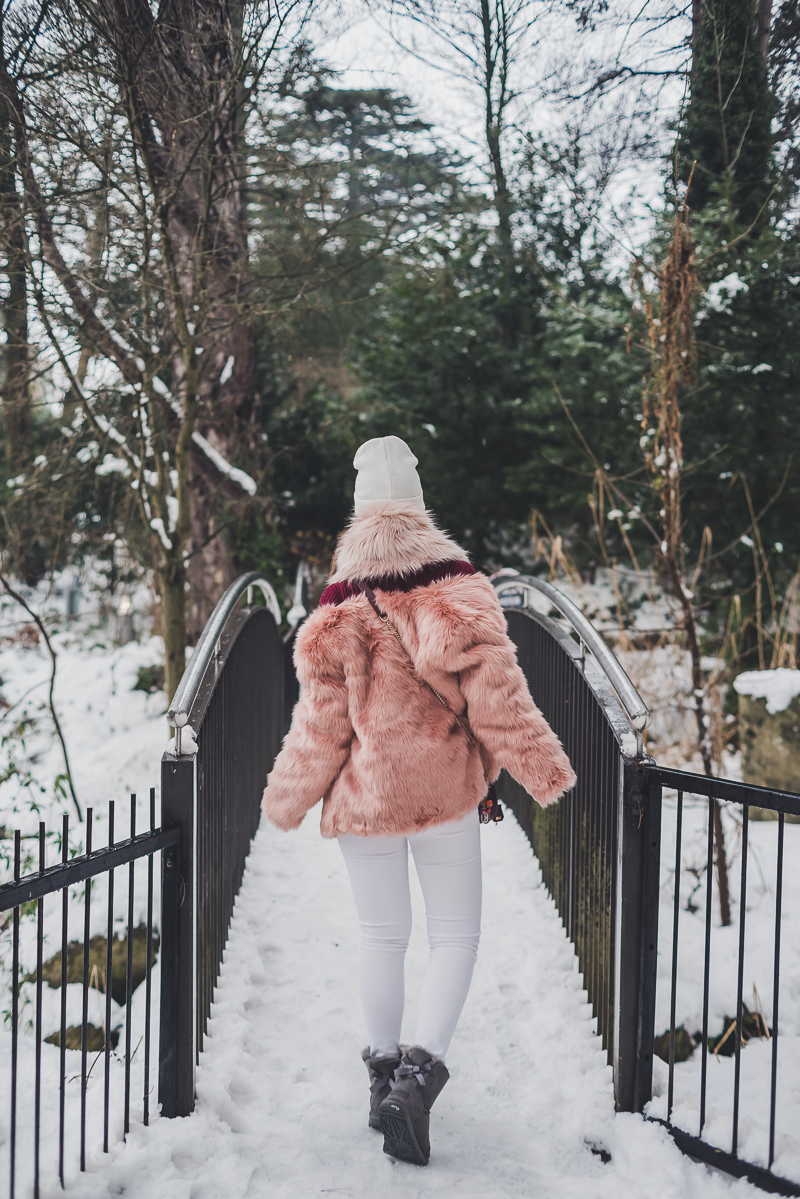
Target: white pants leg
[[448, 862]]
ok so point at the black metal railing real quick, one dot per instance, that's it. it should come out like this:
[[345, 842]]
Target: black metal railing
[[229, 719], [596, 847], [600, 855], [48, 1072], [709, 1100]]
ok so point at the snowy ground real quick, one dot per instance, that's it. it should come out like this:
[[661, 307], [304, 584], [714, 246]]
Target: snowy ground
[[759, 920], [114, 735], [282, 1093]]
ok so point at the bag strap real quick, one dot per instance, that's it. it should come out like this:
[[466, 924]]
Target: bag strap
[[370, 594]]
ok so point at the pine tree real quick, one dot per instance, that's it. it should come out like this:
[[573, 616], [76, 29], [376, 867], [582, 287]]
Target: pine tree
[[725, 143]]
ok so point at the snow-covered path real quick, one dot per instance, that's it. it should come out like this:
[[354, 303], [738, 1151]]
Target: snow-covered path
[[282, 1092]]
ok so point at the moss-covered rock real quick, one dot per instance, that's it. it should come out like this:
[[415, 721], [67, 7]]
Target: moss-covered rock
[[72, 1039], [770, 743], [684, 1045], [51, 969]]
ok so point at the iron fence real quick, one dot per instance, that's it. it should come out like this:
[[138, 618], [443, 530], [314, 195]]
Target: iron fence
[[600, 855], [231, 700], [91, 867], [693, 1129], [229, 717], [595, 847]]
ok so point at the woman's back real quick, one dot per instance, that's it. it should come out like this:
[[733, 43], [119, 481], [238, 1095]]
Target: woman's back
[[368, 734]]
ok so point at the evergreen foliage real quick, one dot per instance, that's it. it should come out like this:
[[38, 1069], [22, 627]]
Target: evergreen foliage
[[725, 143]]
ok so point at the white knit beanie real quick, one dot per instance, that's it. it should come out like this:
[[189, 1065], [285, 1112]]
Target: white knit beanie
[[386, 471]]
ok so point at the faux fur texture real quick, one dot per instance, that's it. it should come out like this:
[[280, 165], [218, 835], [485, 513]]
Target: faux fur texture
[[368, 737], [391, 538]]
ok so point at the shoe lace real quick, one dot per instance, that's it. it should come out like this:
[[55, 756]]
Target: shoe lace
[[405, 1069]]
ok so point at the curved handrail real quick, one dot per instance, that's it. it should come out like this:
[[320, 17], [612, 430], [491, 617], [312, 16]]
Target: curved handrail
[[193, 675], [298, 610], [633, 705]]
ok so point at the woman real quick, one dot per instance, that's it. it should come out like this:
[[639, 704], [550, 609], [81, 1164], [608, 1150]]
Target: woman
[[412, 702]]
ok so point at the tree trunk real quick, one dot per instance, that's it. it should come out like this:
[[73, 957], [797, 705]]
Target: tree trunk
[[210, 569], [763, 25], [494, 113], [180, 69], [697, 19], [16, 387], [172, 588]]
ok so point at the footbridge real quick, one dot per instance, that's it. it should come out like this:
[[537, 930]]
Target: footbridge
[[610, 857]]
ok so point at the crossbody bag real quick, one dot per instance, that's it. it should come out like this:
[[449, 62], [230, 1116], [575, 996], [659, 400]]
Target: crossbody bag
[[489, 809]]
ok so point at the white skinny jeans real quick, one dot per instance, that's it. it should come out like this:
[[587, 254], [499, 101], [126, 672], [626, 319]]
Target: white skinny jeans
[[448, 862]]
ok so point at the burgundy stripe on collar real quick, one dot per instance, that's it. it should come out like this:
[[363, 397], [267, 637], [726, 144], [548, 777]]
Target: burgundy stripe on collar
[[337, 593]]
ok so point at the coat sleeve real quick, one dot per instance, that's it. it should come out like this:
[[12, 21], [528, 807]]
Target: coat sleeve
[[500, 709], [318, 743]]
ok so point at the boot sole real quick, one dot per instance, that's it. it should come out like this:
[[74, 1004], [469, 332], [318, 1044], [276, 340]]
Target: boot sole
[[399, 1139]]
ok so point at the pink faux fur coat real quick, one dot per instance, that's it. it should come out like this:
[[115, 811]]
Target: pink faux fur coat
[[367, 735]]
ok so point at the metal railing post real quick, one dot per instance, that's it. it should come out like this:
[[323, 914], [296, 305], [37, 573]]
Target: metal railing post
[[636, 940], [177, 1055]]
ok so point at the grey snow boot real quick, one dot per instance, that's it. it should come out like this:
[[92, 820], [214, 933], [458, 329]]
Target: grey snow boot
[[381, 1070], [405, 1112]]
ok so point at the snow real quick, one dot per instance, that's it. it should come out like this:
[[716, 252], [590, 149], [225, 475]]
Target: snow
[[757, 981], [188, 742], [157, 525], [115, 735], [718, 294], [173, 509], [224, 467], [110, 430], [778, 687], [282, 1092], [161, 388], [233, 473], [628, 744], [122, 344], [88, 452], [111, 465]]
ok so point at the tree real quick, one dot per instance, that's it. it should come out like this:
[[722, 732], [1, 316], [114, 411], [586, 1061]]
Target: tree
[[725, 143], [347, 187], [484, 43], [438, 370], [128, 140], [784, 66], [16, 363]]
